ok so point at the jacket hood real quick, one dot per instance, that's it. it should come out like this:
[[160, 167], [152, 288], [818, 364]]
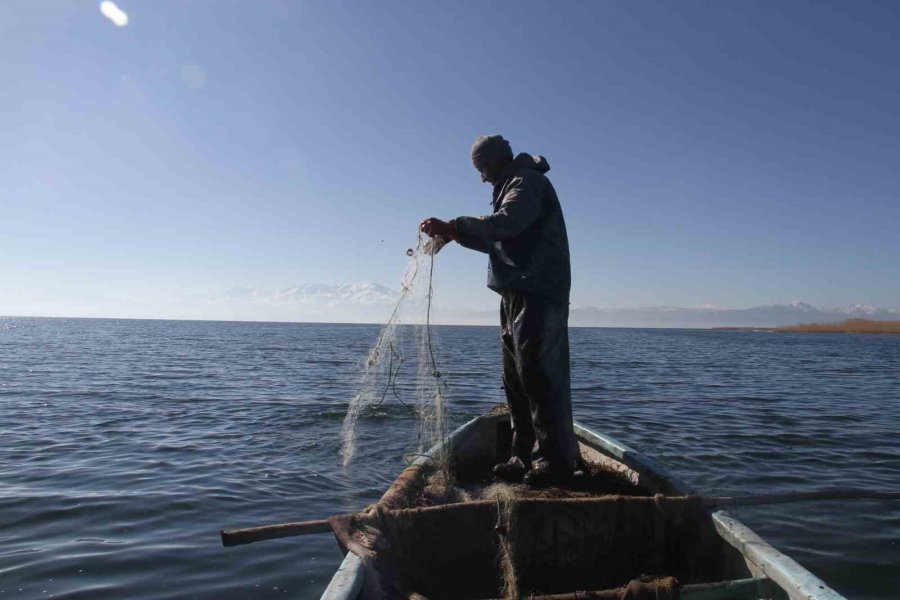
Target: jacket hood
[[527, 161]]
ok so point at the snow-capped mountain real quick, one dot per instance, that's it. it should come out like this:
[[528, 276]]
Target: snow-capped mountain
[[864, 311], [363, 294], [774, 315], [348, 302]]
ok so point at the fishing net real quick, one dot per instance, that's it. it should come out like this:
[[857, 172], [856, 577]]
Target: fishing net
[[386, 377]]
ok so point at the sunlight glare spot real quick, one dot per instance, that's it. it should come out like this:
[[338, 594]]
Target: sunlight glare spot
[[114, 13]]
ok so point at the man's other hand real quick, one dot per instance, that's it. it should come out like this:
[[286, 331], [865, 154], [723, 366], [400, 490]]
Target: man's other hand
[[436, 228]]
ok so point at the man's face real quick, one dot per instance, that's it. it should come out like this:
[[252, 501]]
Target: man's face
[[489, 173]]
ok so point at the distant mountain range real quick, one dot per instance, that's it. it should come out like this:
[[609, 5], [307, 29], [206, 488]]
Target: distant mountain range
[[349, 302], [361, 294], [774, 315], [372, 303]]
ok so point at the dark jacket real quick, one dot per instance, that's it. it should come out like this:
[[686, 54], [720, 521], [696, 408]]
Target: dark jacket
[[525, 237]]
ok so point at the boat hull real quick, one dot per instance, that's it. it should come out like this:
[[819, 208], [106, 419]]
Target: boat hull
[[743, 560]]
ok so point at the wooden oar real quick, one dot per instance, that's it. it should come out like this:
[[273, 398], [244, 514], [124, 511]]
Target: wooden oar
[[237, 537], [836, 494]]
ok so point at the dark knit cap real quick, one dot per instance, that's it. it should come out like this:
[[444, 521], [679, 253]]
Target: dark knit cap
[[489, 150]]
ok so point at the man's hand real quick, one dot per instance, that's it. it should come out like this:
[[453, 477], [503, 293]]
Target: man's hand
[[436, 228]]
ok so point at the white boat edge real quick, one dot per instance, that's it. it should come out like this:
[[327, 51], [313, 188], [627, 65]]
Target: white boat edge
[[762, 559]]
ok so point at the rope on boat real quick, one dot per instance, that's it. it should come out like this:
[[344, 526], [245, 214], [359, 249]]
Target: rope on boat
[[506, 535]]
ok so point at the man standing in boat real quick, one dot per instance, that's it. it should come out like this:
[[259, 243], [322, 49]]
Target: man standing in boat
[[528, 249]]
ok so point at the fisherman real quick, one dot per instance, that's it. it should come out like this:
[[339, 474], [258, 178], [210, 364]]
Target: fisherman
[[528, 249]]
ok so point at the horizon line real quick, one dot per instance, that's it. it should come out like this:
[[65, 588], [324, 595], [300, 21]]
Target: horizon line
[[379, 324]]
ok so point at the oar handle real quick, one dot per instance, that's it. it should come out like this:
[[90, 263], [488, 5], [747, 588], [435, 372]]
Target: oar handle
[[837, 494], [237, 537]]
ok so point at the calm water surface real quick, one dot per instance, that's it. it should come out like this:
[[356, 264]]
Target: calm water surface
[[126, 445]]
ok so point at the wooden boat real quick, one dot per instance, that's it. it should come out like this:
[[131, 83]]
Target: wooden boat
[[628, 519]]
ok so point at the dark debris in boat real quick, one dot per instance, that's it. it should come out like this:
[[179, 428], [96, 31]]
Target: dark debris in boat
[[591, 482]]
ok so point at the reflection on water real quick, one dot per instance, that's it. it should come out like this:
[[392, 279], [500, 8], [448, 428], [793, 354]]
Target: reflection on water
[[126, 445]]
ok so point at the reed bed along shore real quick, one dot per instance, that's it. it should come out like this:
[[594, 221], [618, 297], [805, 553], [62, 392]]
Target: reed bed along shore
[[848, 326]]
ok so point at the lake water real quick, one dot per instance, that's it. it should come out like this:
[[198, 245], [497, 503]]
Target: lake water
[[125, 446]]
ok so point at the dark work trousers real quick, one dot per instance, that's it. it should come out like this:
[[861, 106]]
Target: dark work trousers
[[535, 335]]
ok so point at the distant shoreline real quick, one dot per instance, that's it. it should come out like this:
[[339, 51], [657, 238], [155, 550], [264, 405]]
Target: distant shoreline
[[848, 326]]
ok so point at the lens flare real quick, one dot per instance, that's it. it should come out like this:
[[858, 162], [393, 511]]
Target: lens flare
[[114, 13]]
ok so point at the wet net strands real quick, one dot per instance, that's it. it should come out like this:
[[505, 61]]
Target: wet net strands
[[432, 405], [382, 381]]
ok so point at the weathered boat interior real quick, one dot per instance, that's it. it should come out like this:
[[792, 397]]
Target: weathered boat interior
[[467, 536]]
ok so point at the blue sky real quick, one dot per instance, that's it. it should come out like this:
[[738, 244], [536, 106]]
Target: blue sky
[[731, 154]]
